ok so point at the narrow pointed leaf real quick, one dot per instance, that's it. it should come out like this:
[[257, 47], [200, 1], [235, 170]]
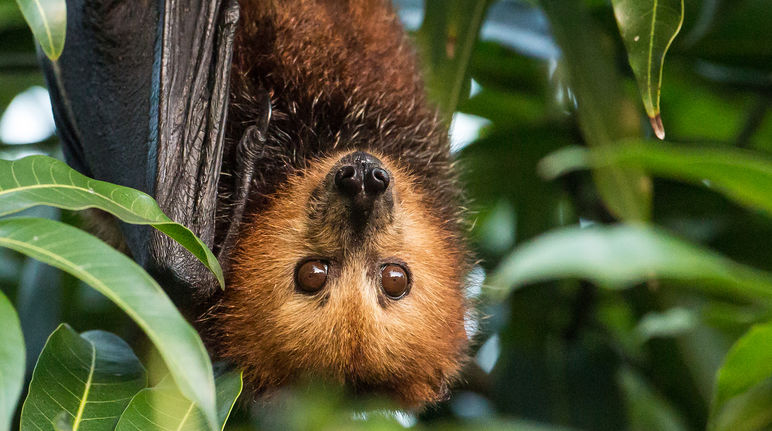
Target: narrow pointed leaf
[[41, 180], [163, 407], [447, 37], [48, 21], [742, 176], [740, 382], [622, 256], [81, 382], [603, 112], [648, 27], [130, 287], [11, 362]]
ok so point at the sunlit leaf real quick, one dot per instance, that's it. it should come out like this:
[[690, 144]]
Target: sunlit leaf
[[129, 286], [11, 362], [41, 180], [743, 391], [648, 28], [669, 323], [48, 21], [163, 407], [740, 175], [621, 256], [82, 381]]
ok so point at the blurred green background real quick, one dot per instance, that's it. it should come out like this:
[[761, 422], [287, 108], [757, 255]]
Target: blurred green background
[[554, 355]]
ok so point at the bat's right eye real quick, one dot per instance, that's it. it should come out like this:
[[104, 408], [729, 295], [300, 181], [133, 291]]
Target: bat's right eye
[[311, 275]]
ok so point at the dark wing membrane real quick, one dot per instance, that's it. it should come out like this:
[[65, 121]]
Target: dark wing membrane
[[197, 47], [140, 97]]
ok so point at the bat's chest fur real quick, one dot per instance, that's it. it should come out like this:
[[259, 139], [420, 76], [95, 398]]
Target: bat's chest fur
[[349, 262]]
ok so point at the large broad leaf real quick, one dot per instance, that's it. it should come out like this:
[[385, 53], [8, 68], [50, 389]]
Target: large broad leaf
[[621, 256], [164, 408], [130, 287], [41, 180], [48, 21], [11, 362], [89, 377], [743, 387], [604, 114], [740, 175], [648, 28]]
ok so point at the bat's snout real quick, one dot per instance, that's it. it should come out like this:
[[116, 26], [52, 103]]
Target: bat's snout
[[361, 178]]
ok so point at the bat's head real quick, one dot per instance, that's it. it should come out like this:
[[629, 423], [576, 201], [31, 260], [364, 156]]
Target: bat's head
[[350, 275]]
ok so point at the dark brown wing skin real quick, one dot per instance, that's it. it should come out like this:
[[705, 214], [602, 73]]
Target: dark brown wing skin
[[140, 95]]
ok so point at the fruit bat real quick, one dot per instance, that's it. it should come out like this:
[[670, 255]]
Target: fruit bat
[[295, 139]]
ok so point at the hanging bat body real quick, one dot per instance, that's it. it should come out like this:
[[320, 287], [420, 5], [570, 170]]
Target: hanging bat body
[[294, 137]]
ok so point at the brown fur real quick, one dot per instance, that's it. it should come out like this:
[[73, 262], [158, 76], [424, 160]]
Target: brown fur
[[409, 348], [342, 77]]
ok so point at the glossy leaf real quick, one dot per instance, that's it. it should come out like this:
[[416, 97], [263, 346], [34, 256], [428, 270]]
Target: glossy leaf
[[129, 286], [40, 180], [11, 362], [648, 27], [740, 175], [83, 382], [163, 407], [48, 21], [748, 364], [621, 256]]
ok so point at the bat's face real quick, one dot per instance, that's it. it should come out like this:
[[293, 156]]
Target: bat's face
[[348, 275]]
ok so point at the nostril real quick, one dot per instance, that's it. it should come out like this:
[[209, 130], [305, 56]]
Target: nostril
[[347, 180], [376, 181]]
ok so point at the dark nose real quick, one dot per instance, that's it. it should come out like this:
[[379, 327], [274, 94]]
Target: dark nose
[[362, 177]]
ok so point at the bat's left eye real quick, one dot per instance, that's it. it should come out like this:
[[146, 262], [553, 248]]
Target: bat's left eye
[[394, 280], [311, 275]]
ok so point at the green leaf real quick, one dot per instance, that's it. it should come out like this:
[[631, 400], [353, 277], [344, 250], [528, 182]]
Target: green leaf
[[41, 180], [648, 27], [447, 38], [48, 21], [748, 411], [81, 381], [129, 286], [621, 256], [748, 364], [740, 175], [603, 113], [647, 410], [164, 407], [11, 361]]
